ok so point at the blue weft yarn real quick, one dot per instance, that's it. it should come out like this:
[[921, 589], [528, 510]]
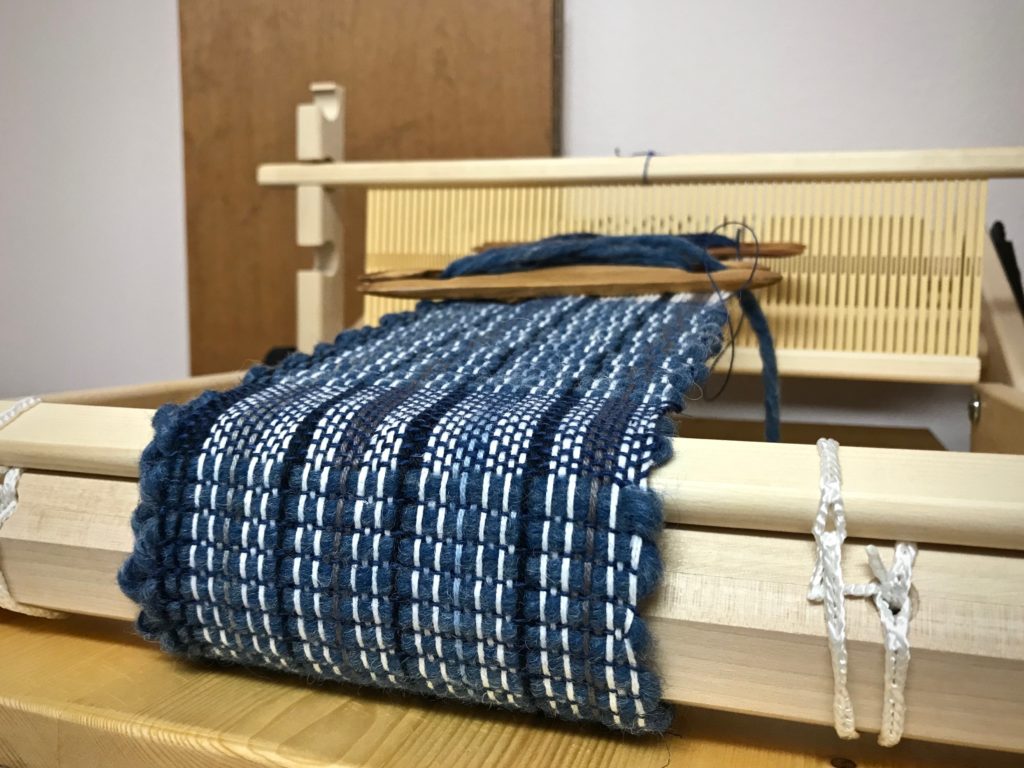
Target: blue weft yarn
[[682, 251], [583, 248], [453, 503]]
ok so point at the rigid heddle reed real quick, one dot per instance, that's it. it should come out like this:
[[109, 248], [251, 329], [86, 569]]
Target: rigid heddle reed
[[892, 268]]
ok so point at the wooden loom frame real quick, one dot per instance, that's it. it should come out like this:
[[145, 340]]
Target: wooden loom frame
[[843, 204], [734, 629]]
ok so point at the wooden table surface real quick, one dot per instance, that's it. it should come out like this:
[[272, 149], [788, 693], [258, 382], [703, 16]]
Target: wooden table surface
[[80, 692]]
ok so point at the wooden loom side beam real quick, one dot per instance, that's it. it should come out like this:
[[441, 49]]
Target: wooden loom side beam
[[957, 499], [732, 625], [980, 163], [863, 366], [151, 394]]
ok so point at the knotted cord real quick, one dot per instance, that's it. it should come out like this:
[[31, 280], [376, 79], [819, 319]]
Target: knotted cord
[[891, 592]]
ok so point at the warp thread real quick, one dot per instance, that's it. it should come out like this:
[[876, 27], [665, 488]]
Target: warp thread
[[891, 592], [8, 505]]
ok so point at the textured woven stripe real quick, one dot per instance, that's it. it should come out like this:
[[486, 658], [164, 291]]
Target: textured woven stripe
[[453, 503]]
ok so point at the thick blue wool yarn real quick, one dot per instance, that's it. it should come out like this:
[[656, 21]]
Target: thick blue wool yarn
[[453, 503], [584, 248], [682, 251]]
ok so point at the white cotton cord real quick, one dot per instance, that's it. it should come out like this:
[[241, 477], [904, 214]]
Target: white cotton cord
[[892, 595], [8, 505], [891, 591], [827, 582]]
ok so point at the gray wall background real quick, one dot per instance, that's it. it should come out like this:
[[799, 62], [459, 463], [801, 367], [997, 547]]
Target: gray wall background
[[92, 221]]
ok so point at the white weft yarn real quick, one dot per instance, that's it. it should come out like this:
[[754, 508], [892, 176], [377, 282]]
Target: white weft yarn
[[8, 504], [890, 591]]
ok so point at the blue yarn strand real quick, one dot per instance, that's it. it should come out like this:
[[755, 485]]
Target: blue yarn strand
[[687, 252], [769, 365]]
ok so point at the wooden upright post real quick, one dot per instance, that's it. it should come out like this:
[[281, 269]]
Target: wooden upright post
[[320, 137]]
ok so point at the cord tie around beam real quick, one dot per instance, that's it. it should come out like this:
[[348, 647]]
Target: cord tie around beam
[[891, 592], [892, 597], [8, 505]]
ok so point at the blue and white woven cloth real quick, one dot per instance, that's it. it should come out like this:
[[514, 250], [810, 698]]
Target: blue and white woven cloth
[[453, 503]]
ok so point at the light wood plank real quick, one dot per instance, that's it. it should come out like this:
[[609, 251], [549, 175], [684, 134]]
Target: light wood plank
[[72, 688], [736, 631], [951, 498], [944, 498], [859, 435], [95, 439], [981, 163], [150, 395], [864, 366]]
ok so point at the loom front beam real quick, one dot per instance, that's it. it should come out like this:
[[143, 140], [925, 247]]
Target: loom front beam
[[733, 628]]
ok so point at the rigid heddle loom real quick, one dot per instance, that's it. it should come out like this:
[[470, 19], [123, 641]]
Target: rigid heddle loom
[[481, 496]]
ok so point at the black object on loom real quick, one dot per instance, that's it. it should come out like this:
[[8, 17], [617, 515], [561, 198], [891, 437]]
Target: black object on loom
[[454, 503], [1008, 258]]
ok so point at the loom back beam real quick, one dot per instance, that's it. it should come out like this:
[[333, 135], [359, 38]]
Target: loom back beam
[[733, 627], [990, 163]]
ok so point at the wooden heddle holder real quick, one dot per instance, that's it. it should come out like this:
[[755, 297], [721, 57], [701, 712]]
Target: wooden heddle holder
[[732, 624]]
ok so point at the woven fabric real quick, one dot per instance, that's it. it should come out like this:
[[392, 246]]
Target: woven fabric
[[688, 252], [454, 503]]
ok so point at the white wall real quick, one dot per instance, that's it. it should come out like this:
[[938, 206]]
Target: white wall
[[790, 75], [92, 250], [744, 75]]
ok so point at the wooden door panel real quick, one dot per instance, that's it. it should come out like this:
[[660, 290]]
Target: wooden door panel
[[433, 79]]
